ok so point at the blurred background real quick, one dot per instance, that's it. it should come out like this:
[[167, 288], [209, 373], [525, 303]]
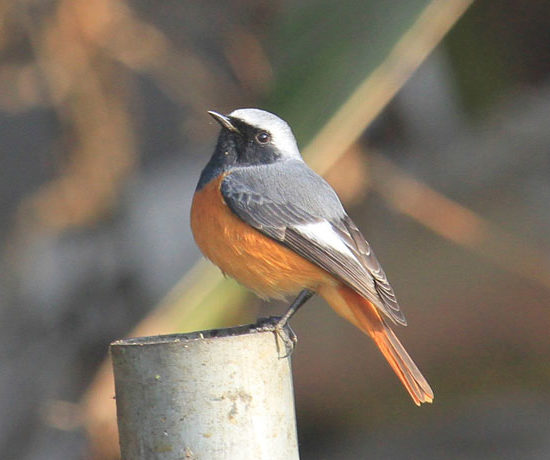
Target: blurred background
[[430, 118]]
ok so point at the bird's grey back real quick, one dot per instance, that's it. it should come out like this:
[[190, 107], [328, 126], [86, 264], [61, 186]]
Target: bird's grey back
[[292, 182]]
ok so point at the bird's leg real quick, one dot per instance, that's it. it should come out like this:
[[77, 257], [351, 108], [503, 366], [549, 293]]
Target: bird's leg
[[279, 324], [301, 298]]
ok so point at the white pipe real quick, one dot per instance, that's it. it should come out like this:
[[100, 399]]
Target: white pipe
[[222, 394]]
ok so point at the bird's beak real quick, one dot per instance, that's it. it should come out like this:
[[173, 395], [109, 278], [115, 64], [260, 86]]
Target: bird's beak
[[223, 120]]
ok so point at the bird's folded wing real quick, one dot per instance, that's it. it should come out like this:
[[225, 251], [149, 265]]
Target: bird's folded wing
[[321, 232]]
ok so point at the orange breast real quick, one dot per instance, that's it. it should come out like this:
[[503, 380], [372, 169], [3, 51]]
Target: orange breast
[[254, 260]]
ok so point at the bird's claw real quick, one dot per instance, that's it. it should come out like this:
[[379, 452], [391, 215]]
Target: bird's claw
[[283, 333]]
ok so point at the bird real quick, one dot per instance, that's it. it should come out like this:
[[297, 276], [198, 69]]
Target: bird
[[270, 222]]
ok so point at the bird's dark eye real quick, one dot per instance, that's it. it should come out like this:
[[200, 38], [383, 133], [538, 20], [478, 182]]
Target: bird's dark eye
[[263, 137]]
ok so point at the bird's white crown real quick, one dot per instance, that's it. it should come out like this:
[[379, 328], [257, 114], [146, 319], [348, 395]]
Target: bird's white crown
[[281, 134]]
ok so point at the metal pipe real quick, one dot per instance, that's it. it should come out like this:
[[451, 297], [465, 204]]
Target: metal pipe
[[220, 394]]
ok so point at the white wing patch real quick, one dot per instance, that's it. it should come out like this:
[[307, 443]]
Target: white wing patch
[[323, 233]]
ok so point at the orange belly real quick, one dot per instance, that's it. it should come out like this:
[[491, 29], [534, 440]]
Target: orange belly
[[254, 260]]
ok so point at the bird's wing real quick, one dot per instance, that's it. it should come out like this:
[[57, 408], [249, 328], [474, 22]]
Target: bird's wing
[[299, 209]]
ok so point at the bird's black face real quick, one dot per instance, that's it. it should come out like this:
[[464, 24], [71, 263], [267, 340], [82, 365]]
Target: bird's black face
[[252, 145], [239, 144]]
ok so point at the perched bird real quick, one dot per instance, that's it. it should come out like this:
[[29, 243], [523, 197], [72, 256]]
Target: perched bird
[[266, 219]]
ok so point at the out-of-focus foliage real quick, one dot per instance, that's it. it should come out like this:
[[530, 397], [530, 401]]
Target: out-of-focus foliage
[[321, 61]]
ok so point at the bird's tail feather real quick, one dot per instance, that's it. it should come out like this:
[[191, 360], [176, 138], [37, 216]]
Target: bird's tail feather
[[366, 317]]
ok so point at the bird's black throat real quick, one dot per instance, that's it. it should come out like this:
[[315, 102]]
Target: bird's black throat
[[236, 150]]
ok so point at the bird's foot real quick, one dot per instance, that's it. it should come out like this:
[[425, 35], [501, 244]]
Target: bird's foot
[[283, 333]]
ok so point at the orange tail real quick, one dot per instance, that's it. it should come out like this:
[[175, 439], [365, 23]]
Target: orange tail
[[366, 317]]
